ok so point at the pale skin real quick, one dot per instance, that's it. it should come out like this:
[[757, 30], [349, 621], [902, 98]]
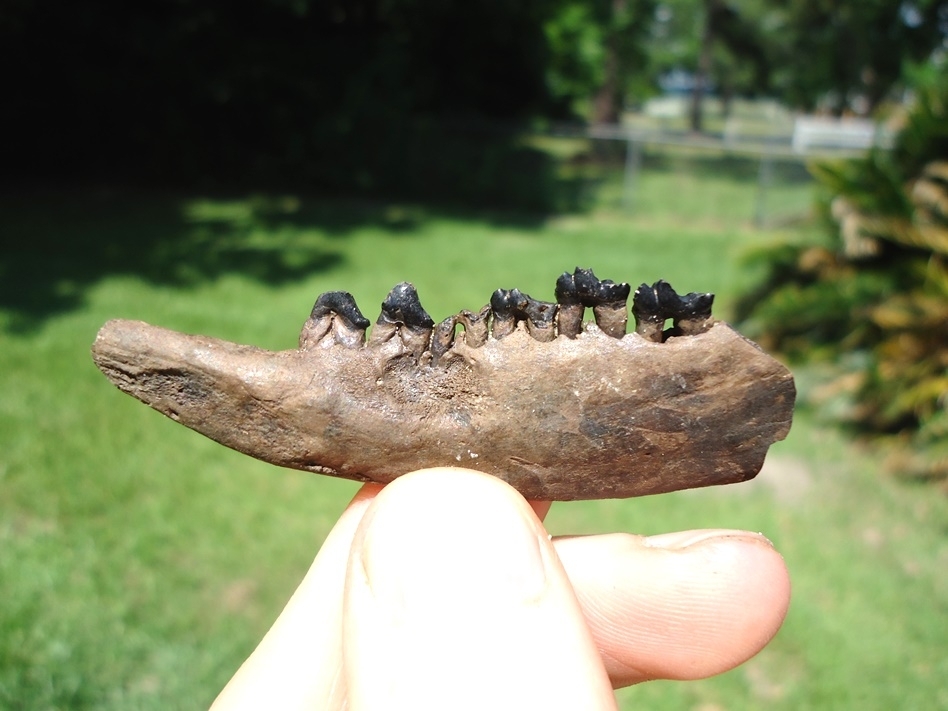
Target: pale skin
[[444, 590]]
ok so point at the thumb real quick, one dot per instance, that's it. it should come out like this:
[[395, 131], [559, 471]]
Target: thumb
[[455, 598]]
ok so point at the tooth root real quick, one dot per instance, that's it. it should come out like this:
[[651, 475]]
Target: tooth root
[[403, 314], [569, 315], [541, 319], [612, 318], [649, 317], [442, 338], [334, 311], [503, 306], [475, 326]]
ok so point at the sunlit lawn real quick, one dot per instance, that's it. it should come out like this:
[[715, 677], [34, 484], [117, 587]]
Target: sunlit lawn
[[139, 562]]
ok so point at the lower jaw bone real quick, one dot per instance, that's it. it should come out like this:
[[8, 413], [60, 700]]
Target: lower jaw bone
[[584, 418]]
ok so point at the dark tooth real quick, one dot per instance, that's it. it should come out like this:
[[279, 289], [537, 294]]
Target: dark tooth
[[475, 326], [569, 315], [505, 305], [541, 317], [402, 313], [693, 315], [442, 338], [607, 299], [343, 305], [649, 317], [403, 307], [566, 291], [336, 311]]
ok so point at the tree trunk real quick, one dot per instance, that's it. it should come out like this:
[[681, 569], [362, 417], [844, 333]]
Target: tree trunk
[[704, 67], [607, 102]]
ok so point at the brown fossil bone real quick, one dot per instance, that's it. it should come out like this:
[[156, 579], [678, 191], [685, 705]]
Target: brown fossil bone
[[559, 410]]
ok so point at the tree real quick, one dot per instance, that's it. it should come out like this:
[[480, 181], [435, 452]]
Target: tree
[[598, 52], [849, 54]]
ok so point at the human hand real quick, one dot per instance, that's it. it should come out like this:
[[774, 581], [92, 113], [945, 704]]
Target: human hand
[[443, 590]]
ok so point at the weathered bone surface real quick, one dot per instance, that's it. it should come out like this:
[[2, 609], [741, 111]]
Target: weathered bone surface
[[524, 391]]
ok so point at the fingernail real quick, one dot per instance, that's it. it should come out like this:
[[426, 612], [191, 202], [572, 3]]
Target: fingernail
[[436, 556], [686, 539]]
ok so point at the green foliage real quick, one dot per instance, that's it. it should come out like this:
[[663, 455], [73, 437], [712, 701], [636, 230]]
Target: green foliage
[[880, 287]]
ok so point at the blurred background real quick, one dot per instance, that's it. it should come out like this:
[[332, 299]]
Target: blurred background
[[212, 167]]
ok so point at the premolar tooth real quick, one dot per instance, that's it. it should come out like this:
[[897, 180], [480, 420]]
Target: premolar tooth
[[569, 315], [403, 314], [648, 313], [475, 326], [336, 311], [541, 317], [442, 338], [506, 305]]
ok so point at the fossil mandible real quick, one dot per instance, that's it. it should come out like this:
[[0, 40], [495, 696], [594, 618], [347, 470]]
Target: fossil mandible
[[521, 389]]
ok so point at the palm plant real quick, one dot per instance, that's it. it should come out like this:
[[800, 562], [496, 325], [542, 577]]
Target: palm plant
[[871, 295]]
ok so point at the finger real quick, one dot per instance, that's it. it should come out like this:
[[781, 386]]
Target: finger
[[298, 664], [455, 599], [680, 606]]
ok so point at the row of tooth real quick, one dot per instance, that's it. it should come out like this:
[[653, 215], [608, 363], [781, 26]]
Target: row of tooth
[[337, 317]]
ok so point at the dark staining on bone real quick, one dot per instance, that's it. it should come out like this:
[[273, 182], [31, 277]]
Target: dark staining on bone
[[655, 304], [582, 289], [403, 317], [336, 312]]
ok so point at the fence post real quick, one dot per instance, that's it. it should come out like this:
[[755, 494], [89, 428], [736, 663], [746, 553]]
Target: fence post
[[633, 160]]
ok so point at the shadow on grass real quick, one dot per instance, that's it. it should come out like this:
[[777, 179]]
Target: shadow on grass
[[58, 245]]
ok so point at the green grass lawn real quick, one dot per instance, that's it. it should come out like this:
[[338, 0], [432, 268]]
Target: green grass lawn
[[141, 562]]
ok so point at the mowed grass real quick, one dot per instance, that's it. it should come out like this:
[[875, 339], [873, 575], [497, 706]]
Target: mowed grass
[[140, 563]]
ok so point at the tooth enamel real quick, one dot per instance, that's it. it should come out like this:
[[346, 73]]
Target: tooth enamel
[[475, 326], [336, 311], [607, 299]]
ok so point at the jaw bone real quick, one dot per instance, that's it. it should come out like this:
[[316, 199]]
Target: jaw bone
[[585, 414]]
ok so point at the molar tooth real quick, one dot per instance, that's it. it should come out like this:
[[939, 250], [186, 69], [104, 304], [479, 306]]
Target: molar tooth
[[607, 299], [402, 313], [475, 326], [692, 313], [442, 338], [336, 311], [569, 315], [541, 317], [648, 313]]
